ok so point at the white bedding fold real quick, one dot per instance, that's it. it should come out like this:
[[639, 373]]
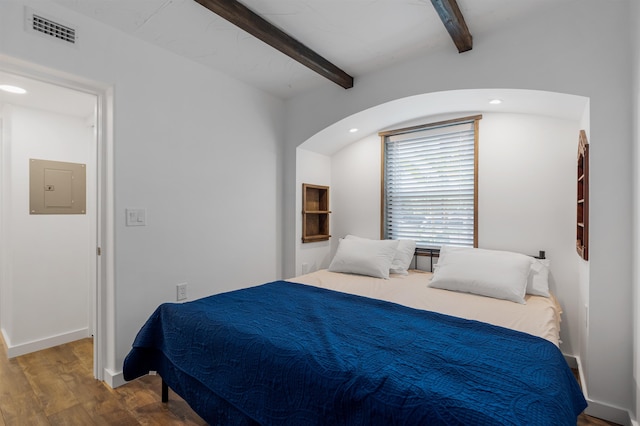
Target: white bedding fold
[[540, 316]]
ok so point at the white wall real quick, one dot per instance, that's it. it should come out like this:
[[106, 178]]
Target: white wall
[[583, 279], [526, 187], [49, 262], [583, 50], [198, 149], [315, 169], [356, 178], [635, 55], [5, 205]]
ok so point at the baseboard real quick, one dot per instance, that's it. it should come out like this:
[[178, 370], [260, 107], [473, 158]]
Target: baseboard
[[599, 409], [114, 378], [5, 337], [45, 343], [607, 412], [571, 360]]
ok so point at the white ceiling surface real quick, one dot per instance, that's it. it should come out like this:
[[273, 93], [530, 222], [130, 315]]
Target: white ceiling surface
[[358, 36], [48, 97], [473, 101]]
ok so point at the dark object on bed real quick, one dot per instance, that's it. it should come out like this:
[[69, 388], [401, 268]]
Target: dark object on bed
[[285, 353], [435, 252]]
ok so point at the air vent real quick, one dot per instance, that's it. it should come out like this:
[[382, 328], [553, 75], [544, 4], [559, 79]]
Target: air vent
[[40, 24], [53, 29]]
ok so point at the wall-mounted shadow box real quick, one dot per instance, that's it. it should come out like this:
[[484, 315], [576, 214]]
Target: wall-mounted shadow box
[[315, 213], [582, 216]]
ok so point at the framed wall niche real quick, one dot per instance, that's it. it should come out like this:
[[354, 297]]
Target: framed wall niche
[[582, 199], [315, 213]]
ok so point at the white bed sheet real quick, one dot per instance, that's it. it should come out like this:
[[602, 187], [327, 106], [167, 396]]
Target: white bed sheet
[[540, 316]]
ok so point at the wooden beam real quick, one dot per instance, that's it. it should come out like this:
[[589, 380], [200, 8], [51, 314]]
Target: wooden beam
[[244, 18], [453, 20]]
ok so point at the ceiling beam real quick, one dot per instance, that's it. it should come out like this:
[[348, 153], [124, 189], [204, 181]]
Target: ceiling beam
[[453, 20], [244, 18]]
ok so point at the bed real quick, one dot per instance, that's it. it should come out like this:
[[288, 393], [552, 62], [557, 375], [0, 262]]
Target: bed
[[350, 349]]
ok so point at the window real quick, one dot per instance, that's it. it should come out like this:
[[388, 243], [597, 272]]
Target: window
[[429, 189]]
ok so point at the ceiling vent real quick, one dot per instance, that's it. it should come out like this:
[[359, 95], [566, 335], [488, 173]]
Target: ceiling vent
[[38, 23]]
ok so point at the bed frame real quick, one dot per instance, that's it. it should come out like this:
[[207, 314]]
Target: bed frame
[[433, 252]]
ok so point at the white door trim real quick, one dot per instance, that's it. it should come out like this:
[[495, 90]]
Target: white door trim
[[103, 286]]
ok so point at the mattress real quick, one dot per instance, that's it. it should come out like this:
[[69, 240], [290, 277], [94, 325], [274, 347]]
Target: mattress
[[539, 316], [288, 353]]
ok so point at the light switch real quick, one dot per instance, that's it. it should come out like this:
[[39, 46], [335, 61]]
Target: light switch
[[142, 217], [136, 217]]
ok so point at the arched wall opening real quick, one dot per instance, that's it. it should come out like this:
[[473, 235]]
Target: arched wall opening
[[527, 152]]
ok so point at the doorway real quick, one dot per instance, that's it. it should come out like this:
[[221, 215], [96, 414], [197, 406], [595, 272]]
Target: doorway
[[50, 285]]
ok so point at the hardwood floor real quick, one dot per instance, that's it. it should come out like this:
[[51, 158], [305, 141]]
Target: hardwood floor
[[56, 387]]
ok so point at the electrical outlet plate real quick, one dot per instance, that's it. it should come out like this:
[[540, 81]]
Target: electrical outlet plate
[[586, 316], [181, 291]]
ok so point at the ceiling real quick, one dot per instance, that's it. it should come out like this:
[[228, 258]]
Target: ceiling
[[358, 36], [440, 104], [48, 97]]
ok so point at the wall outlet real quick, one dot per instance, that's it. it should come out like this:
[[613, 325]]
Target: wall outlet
[[586, 316], [181, 291]]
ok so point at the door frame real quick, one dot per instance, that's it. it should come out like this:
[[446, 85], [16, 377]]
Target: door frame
[[102, 287]]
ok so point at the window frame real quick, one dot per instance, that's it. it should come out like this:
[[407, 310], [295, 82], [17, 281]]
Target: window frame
[[439, 124]]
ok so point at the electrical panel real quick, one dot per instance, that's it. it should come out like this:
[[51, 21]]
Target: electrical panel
[[57, 187]]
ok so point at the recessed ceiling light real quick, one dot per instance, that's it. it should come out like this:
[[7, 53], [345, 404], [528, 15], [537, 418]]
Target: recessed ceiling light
[[495, 101], [353, 130], [12, 89]]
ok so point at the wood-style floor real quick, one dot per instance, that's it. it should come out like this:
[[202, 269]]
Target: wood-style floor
[[56, 387]]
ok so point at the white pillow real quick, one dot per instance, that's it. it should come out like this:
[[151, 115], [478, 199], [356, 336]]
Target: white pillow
[[492, 273], [447, 249], [364, 257], [538, 283], [404, 254]]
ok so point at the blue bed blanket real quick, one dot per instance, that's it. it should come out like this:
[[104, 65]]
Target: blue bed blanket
[[285, 353]]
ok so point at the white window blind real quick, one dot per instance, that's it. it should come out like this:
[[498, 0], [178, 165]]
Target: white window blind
[[429, 185]]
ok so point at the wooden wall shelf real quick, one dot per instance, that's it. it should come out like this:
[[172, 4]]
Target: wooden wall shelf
[[315, 213], [582, 198]]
